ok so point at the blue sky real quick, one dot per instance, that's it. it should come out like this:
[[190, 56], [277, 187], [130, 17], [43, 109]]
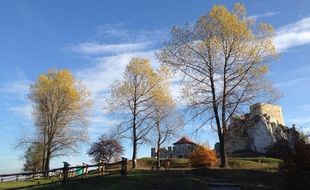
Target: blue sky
[[96, 39]]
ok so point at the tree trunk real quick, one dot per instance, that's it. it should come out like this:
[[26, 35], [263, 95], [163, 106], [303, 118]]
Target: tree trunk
[[134, 154], [219, 127], [224, 163], [134, 143], [47, 162], [44, 150], [158, 146], [158, 156], [223, 151], [134, 132], [43, 159]]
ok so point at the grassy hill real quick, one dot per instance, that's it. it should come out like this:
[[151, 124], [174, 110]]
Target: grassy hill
[[136, 180], [249, 173], [174, 179], [263, 163], [148, 162]]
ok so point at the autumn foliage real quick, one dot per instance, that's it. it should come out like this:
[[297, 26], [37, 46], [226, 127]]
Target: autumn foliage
[[223, 61], [203, 157], [134, 98], [61, 107]]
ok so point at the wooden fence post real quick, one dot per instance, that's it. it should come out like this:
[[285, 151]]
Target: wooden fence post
[[101, 167], [85, 170], [65, 172], [124, 166]]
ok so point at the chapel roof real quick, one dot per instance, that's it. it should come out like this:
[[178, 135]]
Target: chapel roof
[[184, 140]]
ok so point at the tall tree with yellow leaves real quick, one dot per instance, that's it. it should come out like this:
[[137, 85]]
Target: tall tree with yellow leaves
[[223, 60], [168, 121], [61, 106], [131, 101]]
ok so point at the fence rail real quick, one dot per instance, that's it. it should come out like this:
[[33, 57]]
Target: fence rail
[[68, 172]]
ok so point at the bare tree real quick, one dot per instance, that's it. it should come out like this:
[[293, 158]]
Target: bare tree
[[222, 60], [168, 121], [130, 100]]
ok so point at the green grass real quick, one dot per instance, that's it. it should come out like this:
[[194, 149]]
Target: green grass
[[148, 162], [260, 159], [136, 180], [246, 164], [258, 163], [19, 184], [249, 173], [263, 163], [173, 179]]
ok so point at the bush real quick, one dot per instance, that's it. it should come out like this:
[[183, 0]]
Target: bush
[[297, 159], [279, 150], [203, 157]]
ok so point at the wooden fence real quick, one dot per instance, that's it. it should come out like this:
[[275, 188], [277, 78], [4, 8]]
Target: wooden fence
[[69, 172]]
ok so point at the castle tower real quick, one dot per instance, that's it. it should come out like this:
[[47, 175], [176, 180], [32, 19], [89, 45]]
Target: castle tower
[[274, 112]]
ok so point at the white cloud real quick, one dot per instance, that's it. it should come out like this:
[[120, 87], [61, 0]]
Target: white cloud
[[118, 33], [300, 120], [302, 123], [267, 14], [18, 88], [99, 78], [296, 84], [108, 62], [94, 48], [292, 35], [103, 120], [24, 110], [116, 39], [16, 93], [113, 31]]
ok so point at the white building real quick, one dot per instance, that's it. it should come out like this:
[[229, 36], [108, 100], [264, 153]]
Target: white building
[[181, 149]]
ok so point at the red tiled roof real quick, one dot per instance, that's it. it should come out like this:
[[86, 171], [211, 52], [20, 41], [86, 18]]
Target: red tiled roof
[[184, 140]]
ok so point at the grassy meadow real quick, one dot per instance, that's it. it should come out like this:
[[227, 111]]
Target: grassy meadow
[[249, 173]]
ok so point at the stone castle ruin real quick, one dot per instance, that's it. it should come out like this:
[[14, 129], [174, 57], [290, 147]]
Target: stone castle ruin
[[181, 149], [258, 131], [272, 112]]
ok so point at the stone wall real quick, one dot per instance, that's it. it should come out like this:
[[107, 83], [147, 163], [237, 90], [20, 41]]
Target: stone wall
[[164, 152], [178, 151], [183, 150]]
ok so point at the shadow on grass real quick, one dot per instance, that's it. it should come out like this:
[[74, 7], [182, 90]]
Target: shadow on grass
[[181, 180], [259, 179], [35, 185], [246, 178], [137, 180]]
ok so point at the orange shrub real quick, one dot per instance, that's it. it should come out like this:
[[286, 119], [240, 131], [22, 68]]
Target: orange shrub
[[203, 157]]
